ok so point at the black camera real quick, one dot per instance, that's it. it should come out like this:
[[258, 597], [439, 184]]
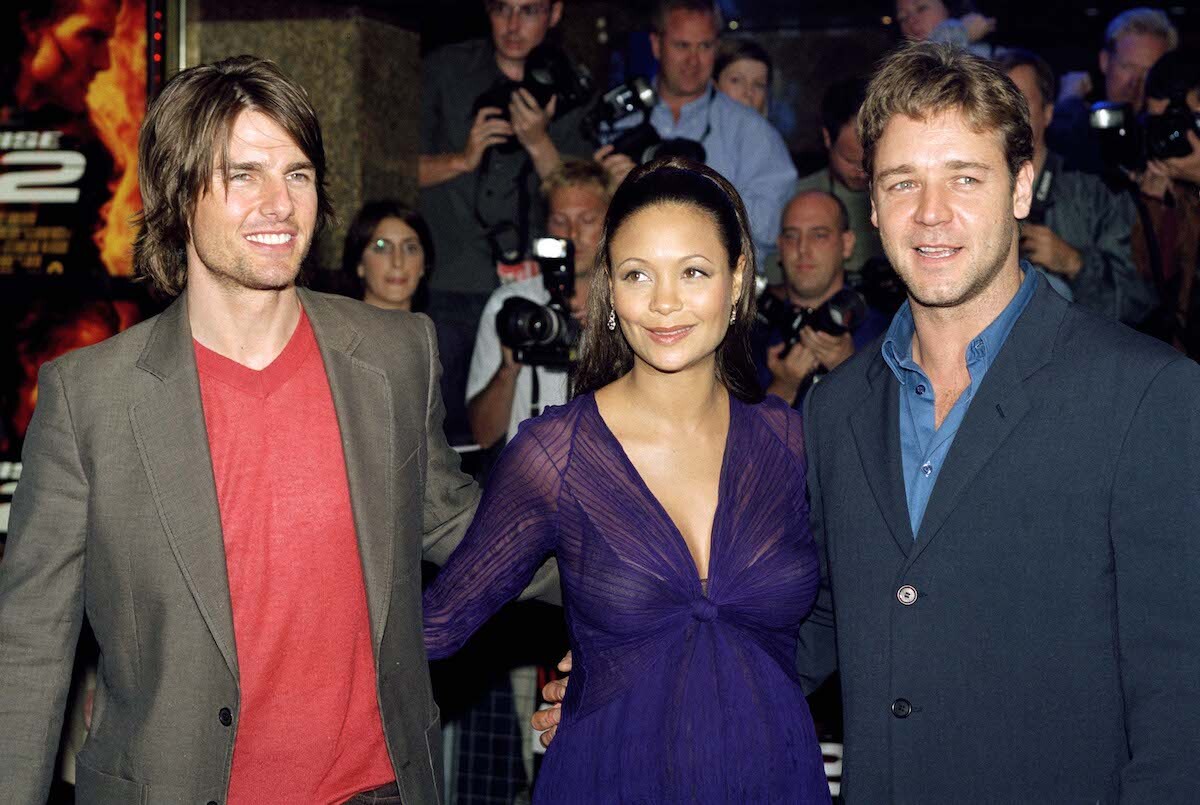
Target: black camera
[[548, 73], [1128, 140], [544, 335], [622, 101], [840, 314], [881, 286], [641, 143]]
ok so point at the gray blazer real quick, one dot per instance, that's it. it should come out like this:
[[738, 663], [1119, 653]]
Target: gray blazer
[[1040, 640], [116, 516]]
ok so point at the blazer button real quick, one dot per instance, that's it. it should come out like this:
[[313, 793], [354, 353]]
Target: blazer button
[[225, 717], [907, 595], [212, 802], [901, 708]]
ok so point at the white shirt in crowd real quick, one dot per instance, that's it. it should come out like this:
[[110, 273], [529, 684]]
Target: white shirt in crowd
[[485, 360]]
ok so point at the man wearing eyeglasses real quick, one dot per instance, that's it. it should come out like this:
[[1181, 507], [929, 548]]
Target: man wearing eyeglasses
[[481, 161]]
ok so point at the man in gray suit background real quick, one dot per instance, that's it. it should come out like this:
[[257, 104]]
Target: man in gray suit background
[[238, 493], [1007, 489]]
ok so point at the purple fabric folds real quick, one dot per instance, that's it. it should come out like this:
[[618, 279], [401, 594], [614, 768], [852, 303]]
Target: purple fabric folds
[[675, 696]]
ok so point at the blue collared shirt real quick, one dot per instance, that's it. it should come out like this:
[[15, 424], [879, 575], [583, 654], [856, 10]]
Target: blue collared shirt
[[924, 447], [741, 145]]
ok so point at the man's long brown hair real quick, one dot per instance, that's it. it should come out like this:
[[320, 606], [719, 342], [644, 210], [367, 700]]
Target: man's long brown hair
[[185, 139]]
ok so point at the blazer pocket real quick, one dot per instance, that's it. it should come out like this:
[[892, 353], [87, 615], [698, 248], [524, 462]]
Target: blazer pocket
[[94, 787]]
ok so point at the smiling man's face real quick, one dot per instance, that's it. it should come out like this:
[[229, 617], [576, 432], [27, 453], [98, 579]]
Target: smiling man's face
[[946, 207], [255, 224]]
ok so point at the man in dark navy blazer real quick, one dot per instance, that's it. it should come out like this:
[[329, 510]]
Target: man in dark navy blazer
[[1007, 489]]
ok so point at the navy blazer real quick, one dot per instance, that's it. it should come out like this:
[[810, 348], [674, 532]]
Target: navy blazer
[[1040, 640]]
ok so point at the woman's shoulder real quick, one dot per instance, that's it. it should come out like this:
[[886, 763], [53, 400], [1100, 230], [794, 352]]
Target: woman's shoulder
[[781, 421], [555, 422]]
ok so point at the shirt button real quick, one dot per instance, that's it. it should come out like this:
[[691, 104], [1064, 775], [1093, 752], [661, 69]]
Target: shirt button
[[901, 708], [920, 389], [907, 595], [927, 469], [225, 716]]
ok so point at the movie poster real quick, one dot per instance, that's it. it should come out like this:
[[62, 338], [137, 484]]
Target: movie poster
[[73, 76]]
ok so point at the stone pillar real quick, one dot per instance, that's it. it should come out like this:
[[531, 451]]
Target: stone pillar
[[362, 71]]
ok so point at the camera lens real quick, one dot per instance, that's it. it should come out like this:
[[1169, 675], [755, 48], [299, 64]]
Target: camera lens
[[522, 323]]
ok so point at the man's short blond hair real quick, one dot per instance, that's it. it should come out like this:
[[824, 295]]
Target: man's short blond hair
[[925, 79], [577, 173]]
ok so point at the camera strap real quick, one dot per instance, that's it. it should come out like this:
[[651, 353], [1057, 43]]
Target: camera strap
[[1041, 194], [493, 230], [534, 392]]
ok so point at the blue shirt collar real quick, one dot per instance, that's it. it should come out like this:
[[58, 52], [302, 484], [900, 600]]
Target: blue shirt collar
[[695, 110], [983, 349]]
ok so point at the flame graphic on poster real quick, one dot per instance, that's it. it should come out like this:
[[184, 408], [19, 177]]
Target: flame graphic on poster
[[116, 103]]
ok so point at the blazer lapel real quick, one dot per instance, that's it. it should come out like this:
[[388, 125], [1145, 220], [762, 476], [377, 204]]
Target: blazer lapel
[[1000, 405], [363, 400], [172, 439], [876, 427]]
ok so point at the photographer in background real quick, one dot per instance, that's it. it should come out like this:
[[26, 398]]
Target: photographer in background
[[844, 176], [734, 140], [500, 391], [1169, 191], [1078, 230], [1133, 41], [814, 242], [481, 158]]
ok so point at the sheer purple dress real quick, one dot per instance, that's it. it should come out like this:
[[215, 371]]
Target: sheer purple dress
[[680, 692]]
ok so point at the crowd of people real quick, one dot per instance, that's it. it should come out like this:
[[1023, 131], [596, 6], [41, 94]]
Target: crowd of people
[[1118, 240], [983, 520]]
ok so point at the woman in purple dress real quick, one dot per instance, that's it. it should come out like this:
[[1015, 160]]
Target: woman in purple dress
[[673, 497]]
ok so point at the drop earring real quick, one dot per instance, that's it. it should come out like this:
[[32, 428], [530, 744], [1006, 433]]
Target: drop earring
[[612, 319], [732, 315]]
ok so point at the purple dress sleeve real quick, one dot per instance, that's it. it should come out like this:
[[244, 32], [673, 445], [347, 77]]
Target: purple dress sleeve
[[513, 532]]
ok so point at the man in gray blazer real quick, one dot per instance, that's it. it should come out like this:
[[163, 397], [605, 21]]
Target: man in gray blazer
[[1007, 489], [259, 629]]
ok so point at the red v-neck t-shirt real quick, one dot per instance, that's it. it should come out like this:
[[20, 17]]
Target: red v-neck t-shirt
[[308, 724]]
